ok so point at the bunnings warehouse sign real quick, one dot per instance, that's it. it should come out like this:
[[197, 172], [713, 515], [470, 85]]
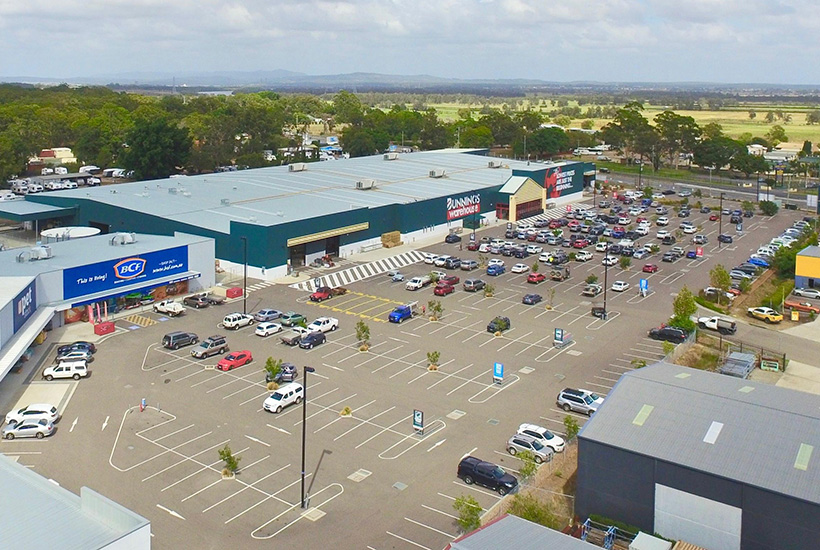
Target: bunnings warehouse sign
[[463, 206]]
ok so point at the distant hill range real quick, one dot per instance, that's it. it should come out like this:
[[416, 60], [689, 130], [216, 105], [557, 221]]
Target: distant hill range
[[367, 82]]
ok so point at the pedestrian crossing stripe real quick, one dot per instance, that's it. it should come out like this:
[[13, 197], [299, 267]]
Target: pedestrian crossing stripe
[[362, 271]]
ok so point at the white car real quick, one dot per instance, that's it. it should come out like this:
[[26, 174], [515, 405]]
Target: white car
[[619, 286], [545, 257], [35, 411], [428, 258], [534, 249], [323, 324], [663, 220], [609, 260], [546, 437], [629, 243], [635, 211], [482, 248], [690, 229], [658, 196], [663, 234], [520, 268], [441, 260], [642, 230], [583, 256], [495, 261], [601, 247], [235, 321], [624, 221], [268, 328]]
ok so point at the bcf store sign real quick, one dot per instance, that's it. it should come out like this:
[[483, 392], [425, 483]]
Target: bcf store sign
[[24, 305], [463, 206], [105, 276]]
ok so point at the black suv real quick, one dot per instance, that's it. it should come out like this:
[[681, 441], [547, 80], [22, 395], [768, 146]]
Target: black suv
[[287, 373], [196, 300], [77, 346], [472, 470], [499, 324], [177, 339], [668, 334]]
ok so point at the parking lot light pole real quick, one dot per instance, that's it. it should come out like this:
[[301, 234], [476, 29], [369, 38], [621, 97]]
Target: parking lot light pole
[[606, 270], [304, 431], [245, 280], [720, 221]]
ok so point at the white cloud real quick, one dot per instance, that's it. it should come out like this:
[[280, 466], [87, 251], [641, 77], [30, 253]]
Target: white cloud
[[722, 40]]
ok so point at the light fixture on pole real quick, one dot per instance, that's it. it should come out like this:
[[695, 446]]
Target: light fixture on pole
[[245, 280], [304, 418]]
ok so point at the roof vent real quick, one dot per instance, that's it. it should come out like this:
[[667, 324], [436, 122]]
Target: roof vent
[[365, 184], [41, 252], [495, 164], [437, 173], [297, 167], [252, 219], [172, 190], [122, 238], [24, 257], [226, 202], [186, 193], [391, 156]]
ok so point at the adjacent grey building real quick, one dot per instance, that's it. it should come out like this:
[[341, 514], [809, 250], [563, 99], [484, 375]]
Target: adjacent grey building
[[714, 460]]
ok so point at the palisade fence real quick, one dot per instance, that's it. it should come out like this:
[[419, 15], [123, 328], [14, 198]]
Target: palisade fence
[[767, 359]]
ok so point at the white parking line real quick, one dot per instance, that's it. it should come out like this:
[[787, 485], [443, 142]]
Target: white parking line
[[431, 528], [362, 423], [408, 541]]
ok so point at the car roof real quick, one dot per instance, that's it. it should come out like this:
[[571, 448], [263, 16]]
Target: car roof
[[532, 427]]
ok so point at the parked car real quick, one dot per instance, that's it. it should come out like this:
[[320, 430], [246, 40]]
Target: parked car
[[267, 314], [235, 321], [579, 400], [75, 355], [287, 373], [619, 286], [583, 256], [288, 394], [473, 470], [234, 359], [75, 346], [473, 285], [765, 314], [210, 346], [66, 369], [35, 411], [267, 328], [650, 268], [521, 442], [469, 265], [609, 260], [312, 339], [168, 307], [520, 268], [494, 270], [554, 442], [807, 293], [196, 300], [291, 318], [28, 428], [293, 336], [452, 238], [499, 324], [806, 307], [323, 324], [443, 289], [592, 290], [531, 299], [667, 334], [724, 238], [535, 278], [177, 339]]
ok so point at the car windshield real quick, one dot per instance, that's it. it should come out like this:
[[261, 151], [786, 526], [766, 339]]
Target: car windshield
[[498, 473], [537, 445]]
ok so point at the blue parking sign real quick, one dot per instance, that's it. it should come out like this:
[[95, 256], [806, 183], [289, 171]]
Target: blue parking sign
[[498, 370], [644, 284]]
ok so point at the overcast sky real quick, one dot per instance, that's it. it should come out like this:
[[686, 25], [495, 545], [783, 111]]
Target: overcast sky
[[770, 41]]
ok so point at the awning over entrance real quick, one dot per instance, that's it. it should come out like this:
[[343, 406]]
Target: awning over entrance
[[19, 343], [296, 241], [121, 291], [25, 211]]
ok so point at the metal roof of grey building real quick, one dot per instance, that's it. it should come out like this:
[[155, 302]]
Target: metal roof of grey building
[[751, 432], [811, 251], [272, 196], [37, 513], [513, 532], [88, 250]]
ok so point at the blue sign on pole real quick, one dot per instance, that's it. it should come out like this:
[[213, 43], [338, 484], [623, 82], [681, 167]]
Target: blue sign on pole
[[644, 284], [122, 272], [740, 228], [498, 372]]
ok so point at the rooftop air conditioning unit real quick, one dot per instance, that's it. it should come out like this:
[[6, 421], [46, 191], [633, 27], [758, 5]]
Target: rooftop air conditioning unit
[[391, 156], [226, 202], [495, 164], [365, 184], [437, 173], [41, 252], [297, 167]]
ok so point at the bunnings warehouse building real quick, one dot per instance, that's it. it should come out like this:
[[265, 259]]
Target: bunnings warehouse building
[[283, 217]]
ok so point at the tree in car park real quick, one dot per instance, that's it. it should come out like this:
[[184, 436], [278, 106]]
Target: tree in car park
[[273, 367], [435, 309], [469, 513], [683, 307], [433, 357], [363, 335], [720, 279]]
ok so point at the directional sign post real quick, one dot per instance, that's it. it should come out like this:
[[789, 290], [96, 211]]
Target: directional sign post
[[740, 228], [644, 286], [699, 252], [498, 373], [418, 421]]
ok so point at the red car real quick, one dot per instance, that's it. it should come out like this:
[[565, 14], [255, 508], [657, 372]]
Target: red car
[[714, 218], [472, 246], [573, 224], [235, 359], [650, 268], [580, 243], [640, 219], [555, 224], [536, 278], [531, 238], [443, 289], [451, 280]]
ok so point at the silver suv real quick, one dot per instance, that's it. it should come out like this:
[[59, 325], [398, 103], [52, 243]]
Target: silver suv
[[521, 442], [582, 401]]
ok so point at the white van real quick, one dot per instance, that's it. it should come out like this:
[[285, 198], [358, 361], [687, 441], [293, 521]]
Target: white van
[[66, 369], [284, 396]]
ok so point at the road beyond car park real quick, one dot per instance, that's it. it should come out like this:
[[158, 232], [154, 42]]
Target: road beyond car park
[[163, 463]]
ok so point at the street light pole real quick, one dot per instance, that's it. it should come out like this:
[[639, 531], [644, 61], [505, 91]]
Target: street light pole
[[304, 418], [720, 218], [245, 280], [640, 174], [606, 270]]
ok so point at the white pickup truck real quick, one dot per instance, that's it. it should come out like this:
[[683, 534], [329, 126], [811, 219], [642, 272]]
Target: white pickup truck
[[418, 282], [719, 324], [169, 307]]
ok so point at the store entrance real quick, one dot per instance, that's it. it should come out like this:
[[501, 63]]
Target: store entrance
[[297, 255], [332, 246]]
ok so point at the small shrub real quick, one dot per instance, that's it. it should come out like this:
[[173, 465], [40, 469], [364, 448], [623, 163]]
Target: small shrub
[[535, 266], [363, 334], [592, 279], [668, 347], [273, 366], [625, 262], [571, 427], [231, 462], [469, 513], [528, 507], [489, 290], [272, 386], [638, 363], [346, 412], [768, 208], [433, 357], [528, 466]]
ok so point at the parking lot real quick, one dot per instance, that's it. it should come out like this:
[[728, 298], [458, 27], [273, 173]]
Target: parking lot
[[372, 480]]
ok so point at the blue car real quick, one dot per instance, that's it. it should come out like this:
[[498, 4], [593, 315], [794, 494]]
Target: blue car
[[494, 270], [758, 261], [692, 254]]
